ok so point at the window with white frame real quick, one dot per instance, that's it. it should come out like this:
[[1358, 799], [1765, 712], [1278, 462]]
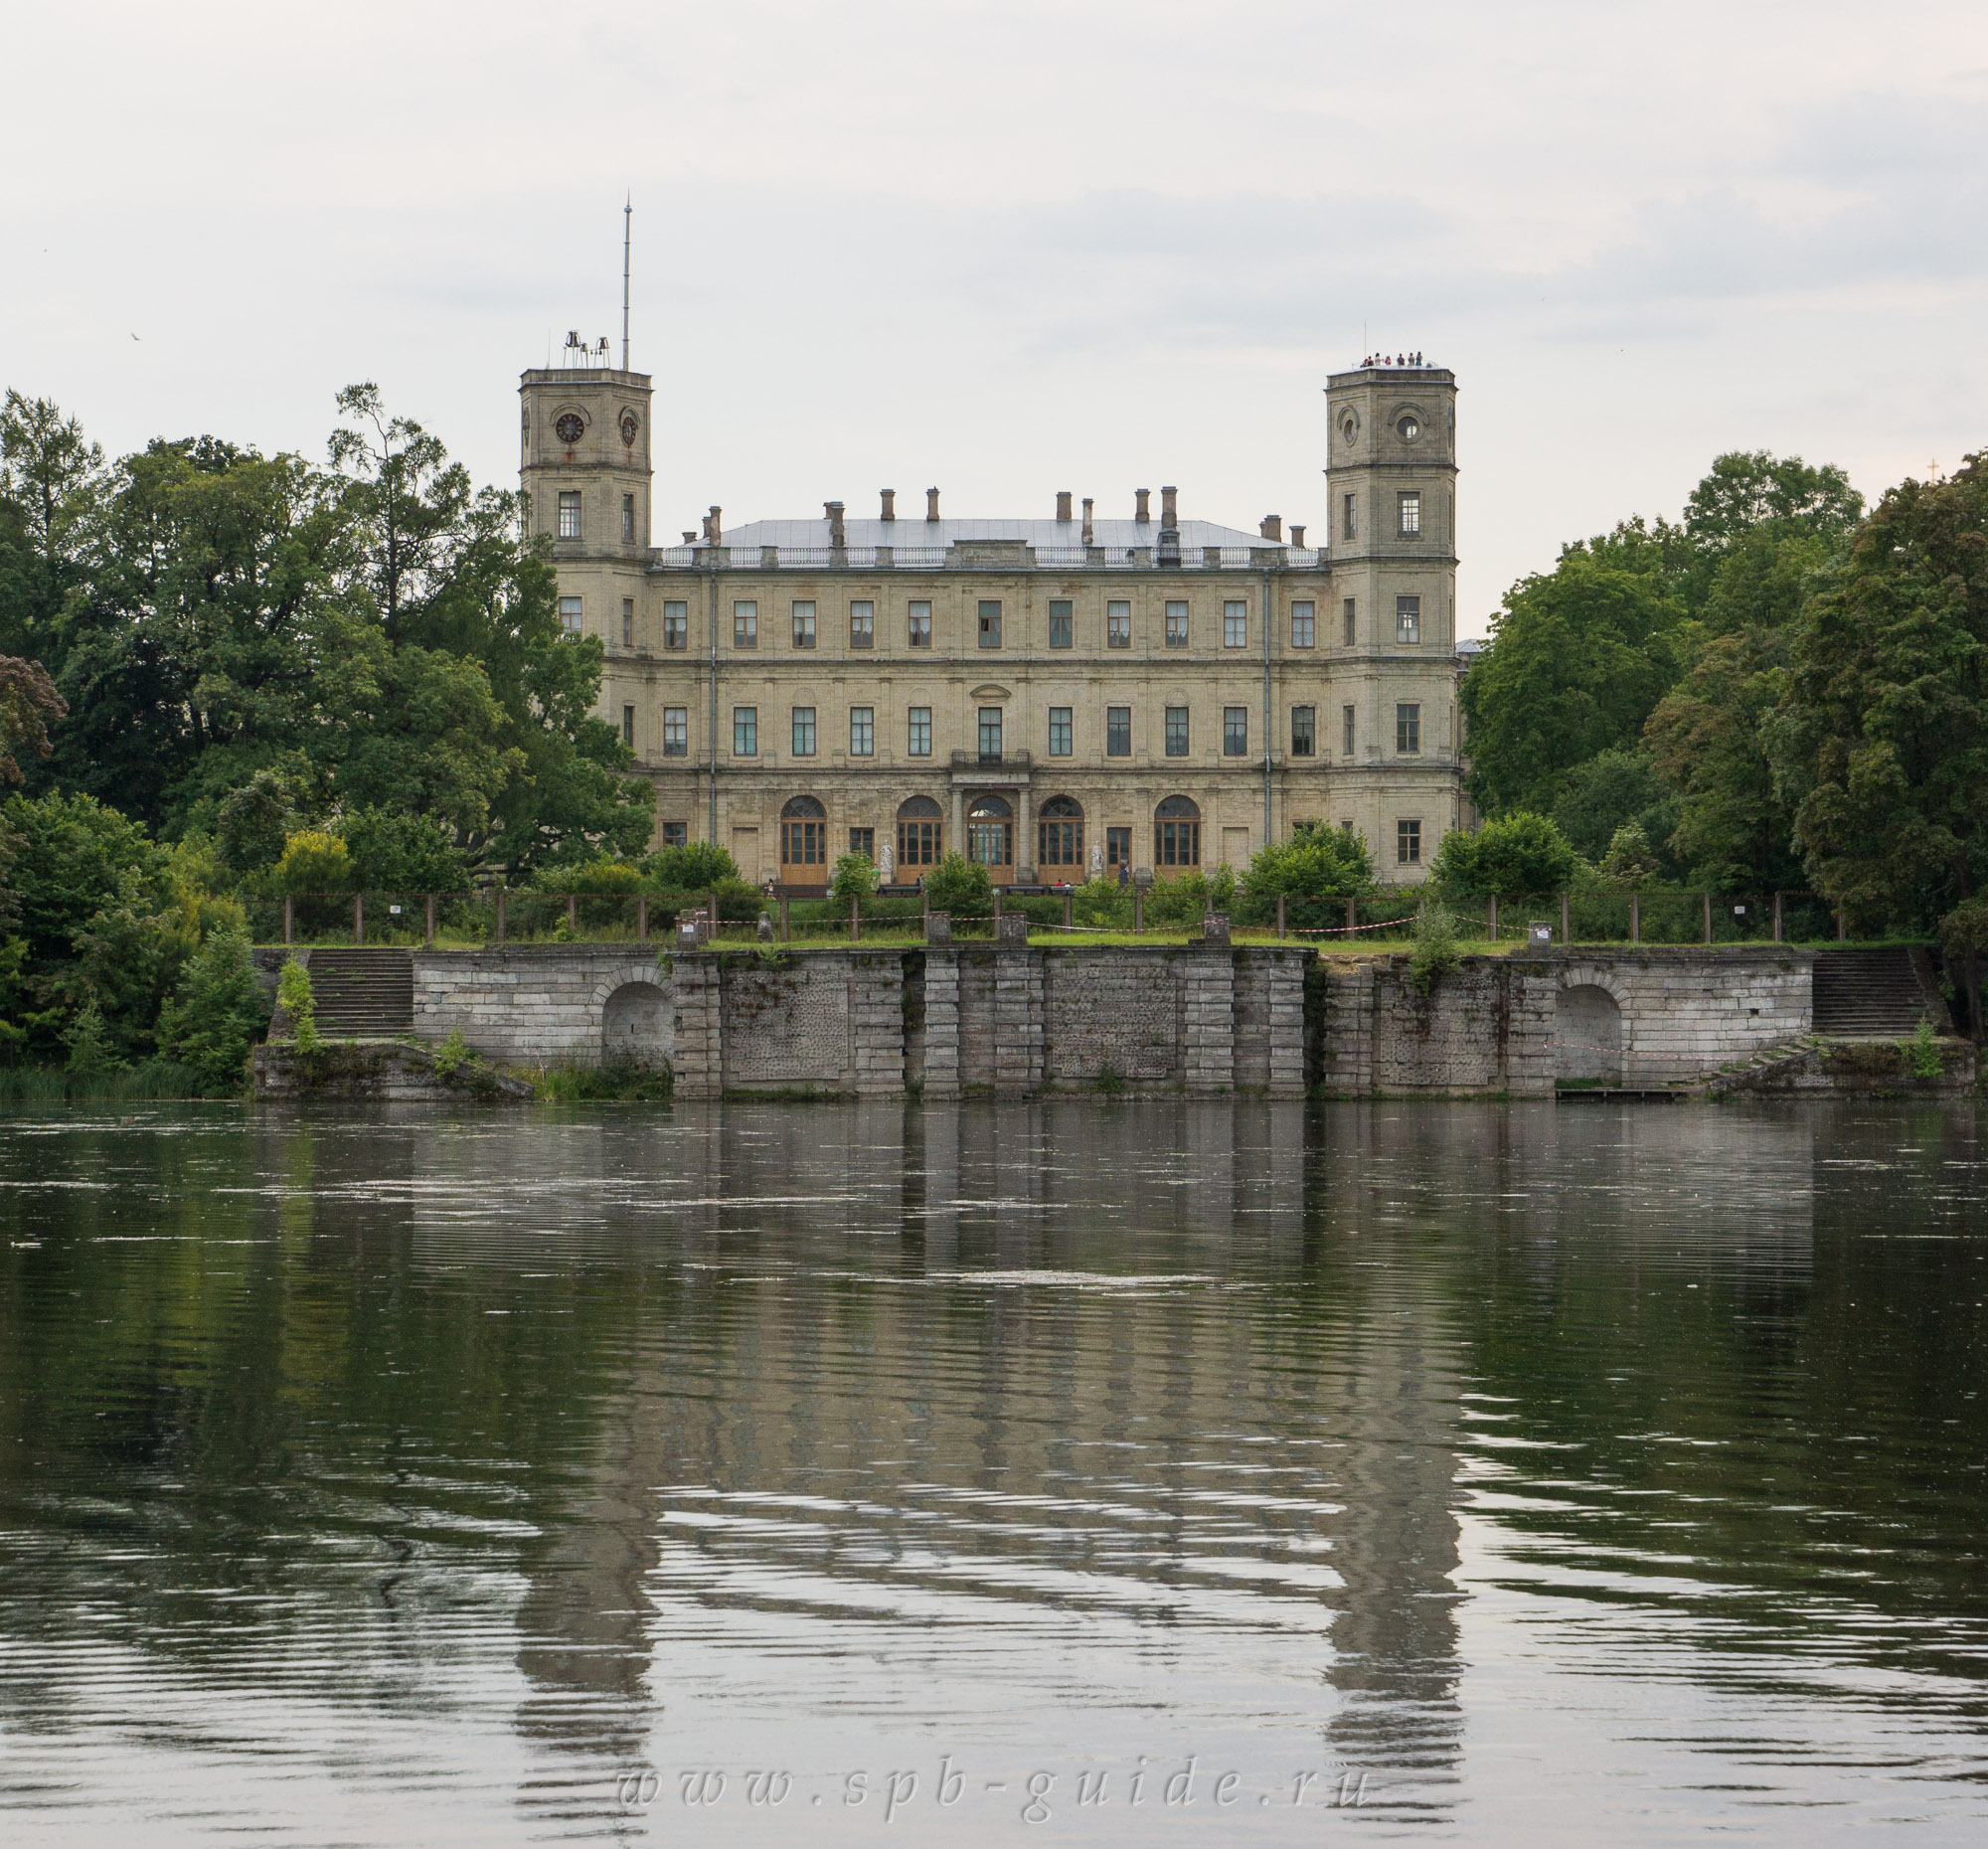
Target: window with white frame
[[1409, 619], [917, 730], [803, 623], [568, 513], [1408, 505], [1060, 730], [803, 732], [676, 625], [861, 730], [745, 625], [676, 730], [1118, 623], [862, 623], [1236, 624], [1304, 626], [919, 623], [569, 616]]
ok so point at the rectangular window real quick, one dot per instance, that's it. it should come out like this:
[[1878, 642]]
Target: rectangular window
[[676, 730], [628, 726], [862, 732], [1062, 624], [569, 616], [803, 623], [1408, 505], [1408, 844], [568, 513], [1117, 732], [1117, 847], [1177, 624], [1304, 626], [1304, 730], [1408, 620], [917, 742], [990, 734], [1176, 732], [1234, 731], [1236, 624], [1347, 507], [745, 625], [1346, 746], [1408, 728], [676, 625], [1060, 731], [862, 623], [676, 834], [628, 518], [862, 841], [744, 731], [627, 622], [921, 625], [1352, 610], [1118, 623], [803, 732], [990, 622]]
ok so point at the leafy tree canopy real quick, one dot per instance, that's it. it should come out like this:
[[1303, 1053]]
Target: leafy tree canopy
[[1623, 784], [1514, 855], [696, 867]]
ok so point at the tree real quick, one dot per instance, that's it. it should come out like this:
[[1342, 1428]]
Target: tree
[[28, 701], [854, 877], [215, 1014], [314, 861], [1516, 856], [1313, 872], [960, 887], [403, 850], [54, 488], [1746, 489], [1577, 661], [1881, 742], [1614, 786], [695, 867], [1963, 935]]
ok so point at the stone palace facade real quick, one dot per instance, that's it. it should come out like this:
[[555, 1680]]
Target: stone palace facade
[[1054, 697]]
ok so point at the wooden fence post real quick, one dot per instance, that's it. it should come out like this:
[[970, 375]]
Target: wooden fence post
[[1281, 917], [1494, 917], [1352, 916], [1139, 908], [357, 917], [571, 916], [1635, 918], [997, 909], [500, 914], [783, 918], [289, 918], [642, 919], [1069, 907], [855, 919], [1842, 926], [1707, 896], [429, 919], [1566, 919], [1778, 918]]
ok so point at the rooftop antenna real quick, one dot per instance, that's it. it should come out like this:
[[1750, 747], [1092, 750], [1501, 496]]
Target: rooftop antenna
[[628, 216]]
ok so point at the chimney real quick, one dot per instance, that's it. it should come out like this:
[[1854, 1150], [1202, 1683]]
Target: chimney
[[1087, 519], [889, 499], [1169, 517], [1297, 534], [1062, 507], [833, 509], [932, 503], [690, 539], [1273, 527], [713, 526], [1139, 499]]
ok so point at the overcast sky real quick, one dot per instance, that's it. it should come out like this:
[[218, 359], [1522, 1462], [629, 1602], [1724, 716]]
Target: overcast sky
[[1010, 249]]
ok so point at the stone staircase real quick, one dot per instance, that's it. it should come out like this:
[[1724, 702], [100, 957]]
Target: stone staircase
[[362, 994], [1872, 995]]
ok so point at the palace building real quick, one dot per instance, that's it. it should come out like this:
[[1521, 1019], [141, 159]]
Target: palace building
[[1055, 697]]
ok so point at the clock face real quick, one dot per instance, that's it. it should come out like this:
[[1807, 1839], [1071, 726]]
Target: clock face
[[628, 426], [570, 430]]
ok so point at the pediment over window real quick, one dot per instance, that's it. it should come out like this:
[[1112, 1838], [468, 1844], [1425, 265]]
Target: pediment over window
[[991, 691]]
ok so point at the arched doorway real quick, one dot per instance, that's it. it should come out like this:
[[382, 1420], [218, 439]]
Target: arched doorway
[[990, 836], [804, 843], [1588, 1035], [920, 837], [1176, 835], [1060, 839], [635, 1026]]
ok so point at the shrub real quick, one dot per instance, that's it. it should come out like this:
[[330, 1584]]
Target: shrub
[[293, 996], [617, 878], [394, 852], [1102, 905], [1315, 867], [1921, 1052], [696, 867], [960, 887], [1179, 904], [215, 1013], [253, 824], [450, 1054], [1436, 953], [314, 861], [1515, 856], [88, 1041], [855, 877], [1963, 935]]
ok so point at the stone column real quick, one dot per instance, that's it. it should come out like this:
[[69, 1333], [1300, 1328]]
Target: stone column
[[877, 1024], [695, 996], [959, 842], [1287, 1024], [941, 1023], [1026, 869], [1208, 1057], [1018, 1021]]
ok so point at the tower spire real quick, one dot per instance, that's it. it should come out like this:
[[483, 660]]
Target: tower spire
[[627, 217]]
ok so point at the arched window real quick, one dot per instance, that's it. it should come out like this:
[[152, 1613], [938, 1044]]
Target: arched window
[[920, 832], [990, 831], [804, 838], [1177, 833], [1060, 833]]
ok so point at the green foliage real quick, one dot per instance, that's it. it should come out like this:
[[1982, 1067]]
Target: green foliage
[[1631, 862], [1436, 950], [855, 877], [1101, 904], [397, 851], [960, 887], [614, 1082], [28, 702], [1612, 787], [451, 1054], [314, 861], [1921, 1052], [606, 877], [1514, 855], [1748, 490], [1179, 904], [215, 1014], [294, 998], [87, 1040], [1314, 868], [253, 824], [1963, 935], [1881, 742], [696, 867]]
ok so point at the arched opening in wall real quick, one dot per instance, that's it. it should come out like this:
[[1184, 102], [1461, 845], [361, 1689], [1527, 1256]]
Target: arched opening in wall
[[804, 842], [920, 837], [1176, 835], [635, 1026], [990, 836], [1587, 1037], [1060, 838]]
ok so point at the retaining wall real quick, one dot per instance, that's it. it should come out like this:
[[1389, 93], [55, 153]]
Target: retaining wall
[[545, 1004]]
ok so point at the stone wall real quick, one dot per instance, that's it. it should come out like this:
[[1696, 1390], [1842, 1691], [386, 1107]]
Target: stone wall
[[545, 1004], [1485, 1026]]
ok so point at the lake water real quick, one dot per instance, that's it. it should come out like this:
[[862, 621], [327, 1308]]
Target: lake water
[[1086, 1472]]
